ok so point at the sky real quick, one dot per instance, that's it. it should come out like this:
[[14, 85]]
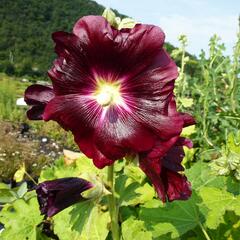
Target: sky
[[198, 19]]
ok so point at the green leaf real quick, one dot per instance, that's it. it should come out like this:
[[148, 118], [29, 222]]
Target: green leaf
[[7, 196], [229, 230], [119, 165], [187, 131], [200, 175], [132, 193], [19, 174], [60, 170], [143, 193], [110, 16], [62, 226], [233, 142], [126, 212], [176, 218], [186, 102], [189, 153], [90, 221], [22, 189], [218, 201], [4, 186], [134, 172], [20, 220], [80, 214], [233, 186], [97, 225], [133, 229], [126, 23]]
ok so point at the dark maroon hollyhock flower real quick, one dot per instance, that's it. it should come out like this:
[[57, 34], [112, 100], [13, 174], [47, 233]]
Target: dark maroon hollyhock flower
[[56, 195], [114, 90], [37, 96], [164, 172]]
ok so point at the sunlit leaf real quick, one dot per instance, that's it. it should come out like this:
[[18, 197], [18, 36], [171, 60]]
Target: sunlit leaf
[[218, 201], [20, 220], [176, 218], [90, 221], [19, 174], [133, 229], [200, 175]]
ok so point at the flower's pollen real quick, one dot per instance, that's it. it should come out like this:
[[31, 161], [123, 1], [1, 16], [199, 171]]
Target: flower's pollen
[[108, 93]]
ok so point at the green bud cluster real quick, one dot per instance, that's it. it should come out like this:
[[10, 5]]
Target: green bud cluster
[[229, 161], [117, 22]]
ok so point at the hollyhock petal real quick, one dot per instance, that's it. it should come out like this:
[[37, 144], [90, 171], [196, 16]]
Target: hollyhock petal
[[38, 94], [121, 133], [160, 76], [87, 146], [80, 56], [118, 46], [152, 168], [103, 140], [176, 185], [72, 112], [56, 195], [173, 158], [71, 72], [36, 112], [163, 172], [184, 142], [161, 147], [188, 119], [164, 144], [152, 100]]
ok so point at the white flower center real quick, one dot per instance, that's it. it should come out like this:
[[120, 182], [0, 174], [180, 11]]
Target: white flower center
[[108, 93]]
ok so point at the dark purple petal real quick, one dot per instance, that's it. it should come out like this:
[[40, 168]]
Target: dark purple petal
[[173, 158], [36, 112], [188, 119], [56, 195], [37, 96], [152, 168], [161, 147], [108, 139], [119, 52], [163, 172], [80, 56], [184, 142], [176, 185], [88, 147], [71, 72]]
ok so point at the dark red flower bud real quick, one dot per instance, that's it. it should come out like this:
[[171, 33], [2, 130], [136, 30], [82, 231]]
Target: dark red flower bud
[[56, 195]]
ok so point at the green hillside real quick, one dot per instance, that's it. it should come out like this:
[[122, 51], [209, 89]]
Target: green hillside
[[26, 27], [26, 47]]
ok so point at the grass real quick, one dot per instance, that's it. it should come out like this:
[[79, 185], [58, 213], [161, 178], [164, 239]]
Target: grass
[[10, 90]]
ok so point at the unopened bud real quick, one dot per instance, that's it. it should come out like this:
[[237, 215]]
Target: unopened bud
[[98, 190]]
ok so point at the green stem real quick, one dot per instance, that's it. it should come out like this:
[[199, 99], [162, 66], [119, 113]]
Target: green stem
[[204, 231], [112, 205], [30, 177]]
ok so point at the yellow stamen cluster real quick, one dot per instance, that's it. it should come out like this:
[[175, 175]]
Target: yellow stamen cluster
[[108, 93]]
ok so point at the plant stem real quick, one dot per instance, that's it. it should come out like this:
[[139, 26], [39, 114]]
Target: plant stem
[[112, 205], [30, 177], [204, 231]]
